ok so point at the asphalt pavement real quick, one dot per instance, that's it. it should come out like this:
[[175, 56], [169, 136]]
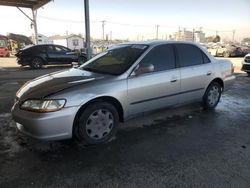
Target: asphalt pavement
[[182, 147]]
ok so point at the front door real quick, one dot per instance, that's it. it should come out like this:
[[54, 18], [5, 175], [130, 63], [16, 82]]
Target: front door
[[156, 89]]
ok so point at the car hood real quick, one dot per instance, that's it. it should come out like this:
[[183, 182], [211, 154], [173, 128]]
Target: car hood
[[50, 84], [248, 55]]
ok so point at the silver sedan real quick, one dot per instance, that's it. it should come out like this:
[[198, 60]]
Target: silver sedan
[[88, 102]]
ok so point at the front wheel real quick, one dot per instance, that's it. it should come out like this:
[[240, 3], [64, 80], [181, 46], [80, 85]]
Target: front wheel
[[212, 96], [97, 123]]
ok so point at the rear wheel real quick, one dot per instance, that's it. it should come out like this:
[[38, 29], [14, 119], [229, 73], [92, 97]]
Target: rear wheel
[[212, 96], [97, 123], [37, 63]]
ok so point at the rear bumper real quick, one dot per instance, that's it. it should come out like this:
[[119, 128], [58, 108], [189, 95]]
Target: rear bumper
[[228, 82], [22, 62]]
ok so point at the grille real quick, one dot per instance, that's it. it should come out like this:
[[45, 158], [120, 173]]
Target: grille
[[246, 67]]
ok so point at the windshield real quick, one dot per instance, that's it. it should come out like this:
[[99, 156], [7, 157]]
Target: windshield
[[115, 60]]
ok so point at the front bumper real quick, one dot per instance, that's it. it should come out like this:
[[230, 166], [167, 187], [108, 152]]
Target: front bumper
[[245, 67], [45, 126]]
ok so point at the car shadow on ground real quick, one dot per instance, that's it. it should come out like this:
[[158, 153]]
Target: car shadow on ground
[[13, 141]]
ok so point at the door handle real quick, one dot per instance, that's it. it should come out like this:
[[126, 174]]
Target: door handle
[[209, 73], [173, 80]]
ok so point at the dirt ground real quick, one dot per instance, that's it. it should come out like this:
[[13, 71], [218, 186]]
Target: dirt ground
[[182, 147]]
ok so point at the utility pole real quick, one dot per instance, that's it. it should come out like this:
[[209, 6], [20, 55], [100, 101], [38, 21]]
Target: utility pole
[[110, 35], [200, 34], [216, 33], [103, 24], [179, 33], [157, 31], [87, 29], [233, 35], [193, 35]]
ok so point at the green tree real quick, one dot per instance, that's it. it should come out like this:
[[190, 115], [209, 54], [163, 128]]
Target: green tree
[[216, 39], [247, 40]]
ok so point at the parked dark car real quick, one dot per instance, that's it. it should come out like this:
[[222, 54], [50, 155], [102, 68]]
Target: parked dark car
[[245, 50], [48, 54], [229, 51]]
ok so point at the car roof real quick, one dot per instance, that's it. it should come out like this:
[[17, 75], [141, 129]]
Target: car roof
[[158, 42]]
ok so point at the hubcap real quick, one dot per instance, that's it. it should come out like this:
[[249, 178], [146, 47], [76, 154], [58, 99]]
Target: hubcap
[[36, 63], [213, 95], [99, 124]]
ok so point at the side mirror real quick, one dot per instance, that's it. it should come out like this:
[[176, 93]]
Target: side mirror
[[75, 64], [145, 68]]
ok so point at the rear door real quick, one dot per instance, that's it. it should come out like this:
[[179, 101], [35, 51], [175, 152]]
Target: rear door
[[196, 71], [157, 89], [60, 55]]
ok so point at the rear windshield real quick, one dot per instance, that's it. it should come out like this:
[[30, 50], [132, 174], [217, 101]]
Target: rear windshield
[[116, 60]]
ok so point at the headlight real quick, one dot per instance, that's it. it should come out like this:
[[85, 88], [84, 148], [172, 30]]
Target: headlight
[[46, 105]]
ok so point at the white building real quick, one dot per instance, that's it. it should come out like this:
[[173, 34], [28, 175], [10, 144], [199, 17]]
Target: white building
[[71, 41], [42, 39], [184, 35], [199, 37]]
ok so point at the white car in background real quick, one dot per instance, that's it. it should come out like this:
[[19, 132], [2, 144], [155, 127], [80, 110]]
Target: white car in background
[[246, 64]]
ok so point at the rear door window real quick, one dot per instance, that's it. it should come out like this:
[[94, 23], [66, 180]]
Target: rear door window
[[162, 57], [189, 55]]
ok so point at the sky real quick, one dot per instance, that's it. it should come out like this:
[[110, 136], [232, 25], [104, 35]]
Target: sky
[[133, 19]]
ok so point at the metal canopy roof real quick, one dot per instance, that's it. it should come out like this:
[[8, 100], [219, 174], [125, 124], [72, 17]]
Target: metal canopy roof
[[33, 4]]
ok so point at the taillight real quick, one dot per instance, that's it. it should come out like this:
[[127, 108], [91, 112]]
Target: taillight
[[6, 49]]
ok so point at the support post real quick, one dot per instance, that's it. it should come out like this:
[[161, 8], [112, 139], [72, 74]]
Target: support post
[[33, 20], [87, 29], [34, 14]]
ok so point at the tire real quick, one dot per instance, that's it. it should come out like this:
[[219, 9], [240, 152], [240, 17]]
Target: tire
[[212, 96], [248, 74], [37, 63], [226, 54], [97, 124]]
